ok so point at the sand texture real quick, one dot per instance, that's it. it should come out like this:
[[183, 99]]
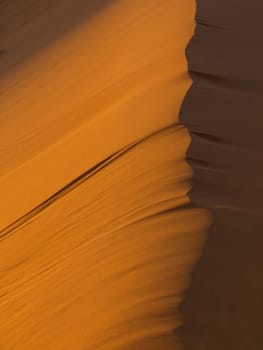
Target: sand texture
[[98, 235]]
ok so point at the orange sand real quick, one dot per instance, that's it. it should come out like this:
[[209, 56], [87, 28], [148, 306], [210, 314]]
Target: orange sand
[[103, 265]]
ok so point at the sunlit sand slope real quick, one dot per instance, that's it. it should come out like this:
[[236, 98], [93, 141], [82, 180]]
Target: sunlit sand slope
[[97, 234]]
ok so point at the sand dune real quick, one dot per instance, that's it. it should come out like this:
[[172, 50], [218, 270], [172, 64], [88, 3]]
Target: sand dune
[[223, 111], [98, 236], [112, 80], [105, 264]]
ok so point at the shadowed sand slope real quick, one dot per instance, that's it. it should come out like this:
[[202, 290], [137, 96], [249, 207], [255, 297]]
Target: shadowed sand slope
[[223, 111], [97, 234], [28, 26]]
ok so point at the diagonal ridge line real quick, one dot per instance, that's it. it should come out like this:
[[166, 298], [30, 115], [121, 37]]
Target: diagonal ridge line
[[77, 181]]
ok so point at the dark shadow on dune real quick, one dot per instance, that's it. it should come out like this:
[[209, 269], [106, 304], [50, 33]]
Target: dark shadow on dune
[[223, 111], [28, 26]]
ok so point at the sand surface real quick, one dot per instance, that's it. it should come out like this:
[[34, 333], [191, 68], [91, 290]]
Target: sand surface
[[223, 111], [97, 233]]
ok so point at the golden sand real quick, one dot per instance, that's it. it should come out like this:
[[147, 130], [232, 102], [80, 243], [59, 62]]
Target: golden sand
[[102, 264]]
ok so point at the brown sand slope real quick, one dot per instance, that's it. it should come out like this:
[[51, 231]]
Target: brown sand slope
[[97, 236], [223, 111]]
